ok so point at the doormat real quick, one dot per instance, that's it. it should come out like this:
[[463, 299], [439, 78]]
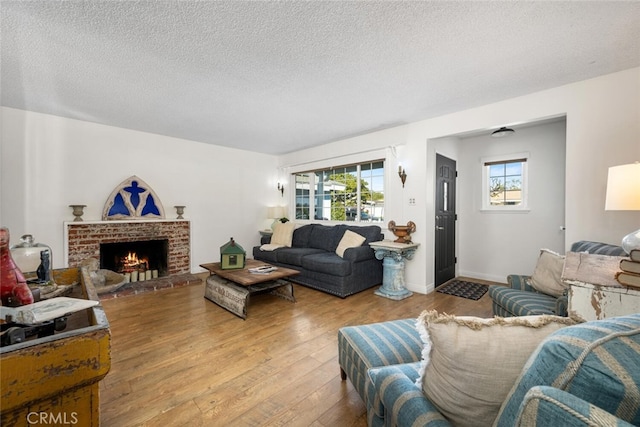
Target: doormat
[[464, 289]]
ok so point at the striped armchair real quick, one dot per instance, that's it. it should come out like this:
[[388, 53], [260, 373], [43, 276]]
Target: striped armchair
[[586, 374], [521, 299], [395, 343]]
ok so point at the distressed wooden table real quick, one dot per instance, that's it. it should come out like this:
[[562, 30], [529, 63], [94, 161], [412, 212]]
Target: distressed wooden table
[[594, 292], [232, 289]]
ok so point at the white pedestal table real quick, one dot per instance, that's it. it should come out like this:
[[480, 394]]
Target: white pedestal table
[[393, 256]]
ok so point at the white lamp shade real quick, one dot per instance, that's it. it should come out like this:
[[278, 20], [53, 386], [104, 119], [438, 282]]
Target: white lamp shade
[[275, 211], [623, 188]]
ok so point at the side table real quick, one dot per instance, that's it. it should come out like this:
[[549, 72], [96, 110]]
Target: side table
[[594, 293], [393, 256], [265, 232]]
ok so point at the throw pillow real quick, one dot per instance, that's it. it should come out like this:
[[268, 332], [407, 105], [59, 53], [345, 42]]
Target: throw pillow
[[470, 364], [547, 276], [349, 240], [283, 234]]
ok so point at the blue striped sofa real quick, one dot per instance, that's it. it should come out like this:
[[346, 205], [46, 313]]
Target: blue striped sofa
[[586, 374], [521, 299]]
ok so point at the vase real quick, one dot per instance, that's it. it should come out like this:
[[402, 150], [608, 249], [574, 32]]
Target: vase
[[402, 232], [13, 286], [179, 211], [27, 254], [78, 211]]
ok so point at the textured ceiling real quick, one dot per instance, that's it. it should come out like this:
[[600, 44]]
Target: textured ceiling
[[275, 77]]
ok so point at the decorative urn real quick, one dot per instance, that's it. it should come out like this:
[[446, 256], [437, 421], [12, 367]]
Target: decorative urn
[[402, 232]]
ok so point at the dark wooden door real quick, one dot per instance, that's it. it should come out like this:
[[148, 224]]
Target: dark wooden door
[[445, 233]]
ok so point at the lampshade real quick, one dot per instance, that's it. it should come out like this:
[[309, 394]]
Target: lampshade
[[623, 194], [275, 211], [623, 188]]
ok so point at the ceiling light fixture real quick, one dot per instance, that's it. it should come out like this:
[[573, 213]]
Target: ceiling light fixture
[[502, 132]]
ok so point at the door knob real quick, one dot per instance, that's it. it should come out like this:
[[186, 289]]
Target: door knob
[[439, 228]]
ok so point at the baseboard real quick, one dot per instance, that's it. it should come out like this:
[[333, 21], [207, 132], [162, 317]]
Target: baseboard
[[420, 289], [482, 276]]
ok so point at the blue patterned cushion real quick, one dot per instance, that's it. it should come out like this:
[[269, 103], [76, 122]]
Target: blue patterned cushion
[[379, 344], [597, 248], [515, 302], [326, 263], [520, 281], [371, 233], [268, 256], [293, 256], [548, 406], [596, 361], [301, 236], [403, 401], [325, 237]]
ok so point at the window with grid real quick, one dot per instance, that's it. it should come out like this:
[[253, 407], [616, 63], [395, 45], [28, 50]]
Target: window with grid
[[343, 193], [505, 183]]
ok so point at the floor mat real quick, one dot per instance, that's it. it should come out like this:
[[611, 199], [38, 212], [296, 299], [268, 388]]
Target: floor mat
[[464, 289]]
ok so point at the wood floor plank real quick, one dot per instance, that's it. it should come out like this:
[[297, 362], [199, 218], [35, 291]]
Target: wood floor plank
[[201, 365]]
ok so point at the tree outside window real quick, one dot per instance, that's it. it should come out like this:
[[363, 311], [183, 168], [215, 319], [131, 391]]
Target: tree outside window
[[345, 193], [505, 183]]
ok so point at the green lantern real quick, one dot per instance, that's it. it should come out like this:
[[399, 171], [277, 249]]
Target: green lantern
[[232, 256]]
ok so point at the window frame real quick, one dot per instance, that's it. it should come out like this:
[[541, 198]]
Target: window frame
[[486, 163], [311, 197]]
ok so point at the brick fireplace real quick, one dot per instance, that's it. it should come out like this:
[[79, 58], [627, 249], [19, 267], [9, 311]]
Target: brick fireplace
[[83, 239]]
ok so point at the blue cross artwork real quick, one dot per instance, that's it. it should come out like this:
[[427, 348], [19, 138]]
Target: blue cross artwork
[[133, 199]]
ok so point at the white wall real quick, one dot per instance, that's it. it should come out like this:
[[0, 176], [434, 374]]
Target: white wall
[[225, 190], [51, 162], [603, 130], [493, 244]]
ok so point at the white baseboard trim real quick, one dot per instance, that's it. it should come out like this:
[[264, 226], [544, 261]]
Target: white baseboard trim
[[483, 276], [420, 289]]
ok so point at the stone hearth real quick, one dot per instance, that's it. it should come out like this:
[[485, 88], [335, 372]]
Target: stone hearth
[[167, 282]]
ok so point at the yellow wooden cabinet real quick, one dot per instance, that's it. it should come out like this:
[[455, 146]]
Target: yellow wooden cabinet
[[54, 380]]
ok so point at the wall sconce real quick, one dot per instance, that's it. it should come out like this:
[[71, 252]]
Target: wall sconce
[[402, 174], [281, 189]]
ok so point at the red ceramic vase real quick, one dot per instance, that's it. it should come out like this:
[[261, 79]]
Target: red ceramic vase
[[13, 287]]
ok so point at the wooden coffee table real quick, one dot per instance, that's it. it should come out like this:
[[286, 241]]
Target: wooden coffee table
[[232, 289]]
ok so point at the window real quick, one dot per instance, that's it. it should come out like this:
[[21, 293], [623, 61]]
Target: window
[[505, 183], [344, 193]]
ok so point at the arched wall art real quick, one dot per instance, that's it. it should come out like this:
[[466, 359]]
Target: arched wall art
[[133, 199]]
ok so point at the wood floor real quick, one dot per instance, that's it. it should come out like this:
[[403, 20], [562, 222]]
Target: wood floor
[[178, 359]]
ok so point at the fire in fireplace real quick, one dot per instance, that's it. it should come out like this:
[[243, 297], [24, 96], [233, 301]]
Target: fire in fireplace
[[138, 257]]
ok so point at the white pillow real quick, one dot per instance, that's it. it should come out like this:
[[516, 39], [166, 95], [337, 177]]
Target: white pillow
[[547, 276], [283, 233], [470, 364], [349, 240]]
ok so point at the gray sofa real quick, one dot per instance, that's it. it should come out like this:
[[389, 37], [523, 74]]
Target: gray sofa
[[313, 253]]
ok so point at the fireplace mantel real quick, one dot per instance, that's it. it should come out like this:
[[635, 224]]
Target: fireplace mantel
[[82, 239]]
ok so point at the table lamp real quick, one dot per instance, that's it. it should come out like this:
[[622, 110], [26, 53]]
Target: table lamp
[[623, 194], [275, 212]]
